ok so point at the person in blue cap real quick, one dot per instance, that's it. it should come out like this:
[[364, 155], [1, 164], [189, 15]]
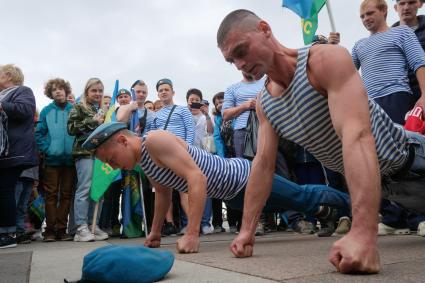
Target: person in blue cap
[[170, 163]]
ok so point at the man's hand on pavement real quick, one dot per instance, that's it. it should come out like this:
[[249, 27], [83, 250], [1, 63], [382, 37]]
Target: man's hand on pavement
[[355, 253], [153, 240], [243, 244], [188, 244]]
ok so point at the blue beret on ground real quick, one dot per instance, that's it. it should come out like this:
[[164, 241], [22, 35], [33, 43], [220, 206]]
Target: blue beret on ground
[[126, 264], [102, 134], [164, 81]]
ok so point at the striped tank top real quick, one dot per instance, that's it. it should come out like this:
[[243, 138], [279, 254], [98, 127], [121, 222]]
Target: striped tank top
[[225, 176], [301, 114]]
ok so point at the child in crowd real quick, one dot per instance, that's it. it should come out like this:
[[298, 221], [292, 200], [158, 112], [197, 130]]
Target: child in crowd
[[55, 145]]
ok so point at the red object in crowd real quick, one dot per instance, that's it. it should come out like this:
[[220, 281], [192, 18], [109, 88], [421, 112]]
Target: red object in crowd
[[415, 120]]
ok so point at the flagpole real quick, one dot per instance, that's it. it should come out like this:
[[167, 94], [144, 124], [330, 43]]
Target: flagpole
[[93, 225], [142, 200], [331, 18]]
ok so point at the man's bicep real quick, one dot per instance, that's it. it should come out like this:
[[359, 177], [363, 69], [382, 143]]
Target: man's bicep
[[347, 98]]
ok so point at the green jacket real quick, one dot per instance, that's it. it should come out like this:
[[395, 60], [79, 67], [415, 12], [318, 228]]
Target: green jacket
[[80, 125]]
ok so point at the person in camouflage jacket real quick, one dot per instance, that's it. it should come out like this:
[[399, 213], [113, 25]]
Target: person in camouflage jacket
[[83, 119]]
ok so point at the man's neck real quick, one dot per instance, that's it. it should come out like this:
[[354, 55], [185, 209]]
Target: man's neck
[[410, 23], [168, 103], [382, 28], [285, 63]]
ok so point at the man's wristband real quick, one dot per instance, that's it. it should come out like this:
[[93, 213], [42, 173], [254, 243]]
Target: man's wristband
[[207, 117]]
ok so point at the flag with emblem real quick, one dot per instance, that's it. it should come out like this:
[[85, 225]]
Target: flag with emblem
[[131, 208], [103, 176], [308, 10]]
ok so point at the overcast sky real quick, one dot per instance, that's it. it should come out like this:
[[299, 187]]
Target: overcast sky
[[149, 40]]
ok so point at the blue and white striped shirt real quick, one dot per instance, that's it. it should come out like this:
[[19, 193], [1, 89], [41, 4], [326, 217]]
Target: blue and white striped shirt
[[181, 122], [149, 119], [239, 93], [225, 177], [385, 59], [301, 115]]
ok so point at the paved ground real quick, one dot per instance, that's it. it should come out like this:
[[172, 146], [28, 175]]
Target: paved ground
[[279, 257]]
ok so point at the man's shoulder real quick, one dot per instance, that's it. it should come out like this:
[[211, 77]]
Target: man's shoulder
[[232, 89], [320, 54], [360, 43], [400, 30], [182, 109], [23, 92]]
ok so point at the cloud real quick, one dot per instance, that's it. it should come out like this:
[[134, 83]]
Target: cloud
[[149, 40]]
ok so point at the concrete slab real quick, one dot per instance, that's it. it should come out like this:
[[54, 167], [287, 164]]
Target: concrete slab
[[15, 267], [278, 257], [287, 257]]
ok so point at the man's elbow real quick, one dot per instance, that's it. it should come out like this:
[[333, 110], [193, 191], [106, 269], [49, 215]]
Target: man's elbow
[[199, 180], [226, 115]]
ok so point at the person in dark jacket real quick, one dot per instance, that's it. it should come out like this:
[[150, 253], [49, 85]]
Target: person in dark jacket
[[18, 103], [55, 144]]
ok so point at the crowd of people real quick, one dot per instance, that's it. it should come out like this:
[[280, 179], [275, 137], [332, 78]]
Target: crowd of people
[[303, 139]]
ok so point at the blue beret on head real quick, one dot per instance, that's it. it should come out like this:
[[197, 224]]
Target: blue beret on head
[[126, 264], [123, 91], [164, 81], [102, 134]]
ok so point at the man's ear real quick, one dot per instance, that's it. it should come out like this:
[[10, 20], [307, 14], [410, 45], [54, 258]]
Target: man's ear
[[122, 139]]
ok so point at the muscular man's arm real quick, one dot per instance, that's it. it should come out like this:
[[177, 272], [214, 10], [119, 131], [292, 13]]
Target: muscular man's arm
[[163, 197], [348, 105], [258, 187], [168, 151], [262, 171], [162, 203]]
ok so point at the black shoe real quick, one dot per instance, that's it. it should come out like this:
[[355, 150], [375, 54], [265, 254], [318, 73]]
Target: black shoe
[[328, 219], [22, 238], [169, 229], [282, 226], [61, 235], [7, 241], [219, 229]]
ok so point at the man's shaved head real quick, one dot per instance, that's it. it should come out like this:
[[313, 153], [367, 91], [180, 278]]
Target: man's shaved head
[[242, 19]]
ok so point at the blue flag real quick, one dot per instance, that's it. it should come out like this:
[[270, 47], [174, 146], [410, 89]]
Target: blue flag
[[300, 7]]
